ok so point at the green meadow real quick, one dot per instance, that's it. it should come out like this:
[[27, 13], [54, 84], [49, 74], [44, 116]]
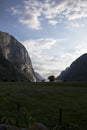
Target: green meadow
[[40, 102]]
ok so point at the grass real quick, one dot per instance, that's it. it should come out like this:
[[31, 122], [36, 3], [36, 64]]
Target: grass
[[43, 101]]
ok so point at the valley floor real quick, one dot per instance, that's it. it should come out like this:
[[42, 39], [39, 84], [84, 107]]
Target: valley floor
[[40, 102]]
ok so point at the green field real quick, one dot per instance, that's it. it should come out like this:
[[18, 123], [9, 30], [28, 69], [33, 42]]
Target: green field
[[43, 101]]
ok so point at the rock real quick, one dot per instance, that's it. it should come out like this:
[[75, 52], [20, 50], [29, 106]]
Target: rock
[[3, 127], [38, 126]]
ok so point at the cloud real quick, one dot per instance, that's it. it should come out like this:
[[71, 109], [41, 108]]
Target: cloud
[[34, 11], [54, 9], [53, 22], [31, 22], [30, 13], [15, 10], [78, 10], [71, 9], [81, 49], [36, 48], [37, 45], [76, 25]]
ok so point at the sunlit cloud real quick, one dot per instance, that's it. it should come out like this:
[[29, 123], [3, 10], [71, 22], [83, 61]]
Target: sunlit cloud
[[38, 45]]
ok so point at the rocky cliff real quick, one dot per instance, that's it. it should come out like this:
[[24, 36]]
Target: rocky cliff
[[8, 71], [16, 53]]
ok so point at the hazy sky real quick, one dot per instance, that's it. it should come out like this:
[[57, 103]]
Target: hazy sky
[[53, 31]]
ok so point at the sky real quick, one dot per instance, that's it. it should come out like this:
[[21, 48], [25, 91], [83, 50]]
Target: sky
[[54, 32]]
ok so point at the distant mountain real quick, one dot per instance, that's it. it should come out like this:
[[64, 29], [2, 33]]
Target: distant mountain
[[77, 70], [39, 77], [16, 55]]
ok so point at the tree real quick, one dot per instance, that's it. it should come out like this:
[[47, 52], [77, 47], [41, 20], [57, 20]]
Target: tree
[[51, 78]]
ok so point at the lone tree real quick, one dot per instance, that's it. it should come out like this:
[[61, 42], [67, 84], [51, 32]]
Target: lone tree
[[51, 78]]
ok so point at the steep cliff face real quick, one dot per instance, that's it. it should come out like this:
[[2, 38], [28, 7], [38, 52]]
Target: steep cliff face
[[16, 53], [8, 71]]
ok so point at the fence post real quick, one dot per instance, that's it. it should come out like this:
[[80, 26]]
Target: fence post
[[60, 118], [18, 115]]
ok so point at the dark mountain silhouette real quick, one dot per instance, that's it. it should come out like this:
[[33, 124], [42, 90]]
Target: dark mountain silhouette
[[77, 70], [15, 55]]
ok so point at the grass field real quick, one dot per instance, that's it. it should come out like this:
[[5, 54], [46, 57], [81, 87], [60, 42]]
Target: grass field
[[43, 101]]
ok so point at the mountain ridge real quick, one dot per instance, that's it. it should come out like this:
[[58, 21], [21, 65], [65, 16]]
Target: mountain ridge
[[77, 70]]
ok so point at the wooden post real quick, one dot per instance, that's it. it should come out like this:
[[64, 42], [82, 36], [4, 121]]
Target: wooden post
[[18, 115], [60, 118]]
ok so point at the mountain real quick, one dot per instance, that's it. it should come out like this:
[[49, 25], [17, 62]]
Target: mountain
[[8, 72], [39, 77], [15, 53], [77, 70]]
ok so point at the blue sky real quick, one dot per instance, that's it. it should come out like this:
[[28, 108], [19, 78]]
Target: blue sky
[[54, 32]]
